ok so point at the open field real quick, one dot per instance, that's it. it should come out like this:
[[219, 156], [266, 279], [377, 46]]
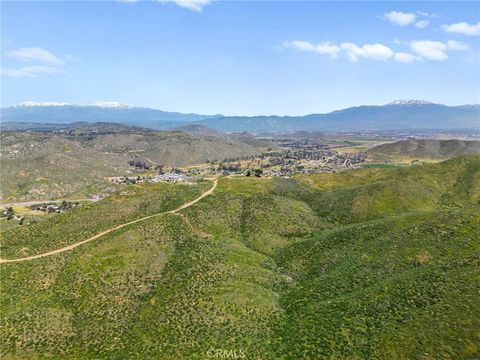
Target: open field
[[371, 263]]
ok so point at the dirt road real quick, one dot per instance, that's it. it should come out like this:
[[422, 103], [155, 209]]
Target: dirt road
[[73, 246]]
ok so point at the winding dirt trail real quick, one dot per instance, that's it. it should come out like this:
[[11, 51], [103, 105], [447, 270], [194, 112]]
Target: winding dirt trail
[[73, 246]]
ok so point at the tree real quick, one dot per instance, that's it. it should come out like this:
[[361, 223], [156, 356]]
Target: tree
[[10, 213]]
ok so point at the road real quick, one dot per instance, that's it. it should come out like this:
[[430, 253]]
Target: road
[[73, 246]]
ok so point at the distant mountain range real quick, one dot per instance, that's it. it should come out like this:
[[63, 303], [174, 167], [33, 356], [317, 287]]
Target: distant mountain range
[[397, 115], [63, 113], [393, 116]]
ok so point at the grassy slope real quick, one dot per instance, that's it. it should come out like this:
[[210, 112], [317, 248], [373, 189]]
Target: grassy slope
[[78, 224], [282, 268], [397, 288]]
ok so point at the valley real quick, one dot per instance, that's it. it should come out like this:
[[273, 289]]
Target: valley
[[296, 245], [87, 160]]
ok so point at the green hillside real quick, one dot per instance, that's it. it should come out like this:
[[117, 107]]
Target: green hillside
[[367, 264]]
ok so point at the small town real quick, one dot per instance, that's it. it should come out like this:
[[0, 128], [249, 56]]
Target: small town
[[292, 157]]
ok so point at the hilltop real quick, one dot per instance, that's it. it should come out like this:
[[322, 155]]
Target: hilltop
[[198, 129], [372, 263], [440, 149]]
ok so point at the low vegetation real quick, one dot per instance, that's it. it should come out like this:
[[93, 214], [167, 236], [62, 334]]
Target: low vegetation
[[372, 263], [80, 223]]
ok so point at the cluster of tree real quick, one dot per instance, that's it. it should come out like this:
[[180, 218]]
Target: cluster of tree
[[9, 213], [159, 168], [230, 166], [65, 205], [255, 172], [139, 164], [163, 169], [229, 160]]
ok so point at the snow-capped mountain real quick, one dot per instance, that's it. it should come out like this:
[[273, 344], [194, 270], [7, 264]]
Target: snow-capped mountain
[[100, 104], [110, 105], [410, 102], [28, 104], [49, 112], [400, 114]]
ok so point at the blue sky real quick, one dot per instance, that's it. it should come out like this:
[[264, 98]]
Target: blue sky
[[240, 57]]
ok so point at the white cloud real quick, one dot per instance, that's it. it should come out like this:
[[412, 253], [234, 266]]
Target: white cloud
[[368, 51], [404, 19], [463, 28], [33, 54], [432, 50], [456, 45], [195, 5], [423, 13], [420, 49], [436, 50], [32, 71], [400, 18], [44, 62], [299, 45], [353, 52], [324, 48], [422, 24], [406, 57]]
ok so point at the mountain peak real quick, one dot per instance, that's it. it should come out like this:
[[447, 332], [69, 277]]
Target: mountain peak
[[410, 102]]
